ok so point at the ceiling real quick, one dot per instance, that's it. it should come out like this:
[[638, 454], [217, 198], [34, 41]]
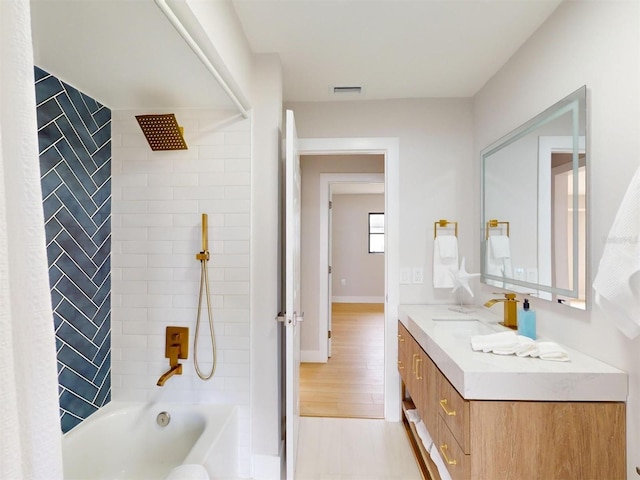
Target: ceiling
[[126, 54], [392, 49]]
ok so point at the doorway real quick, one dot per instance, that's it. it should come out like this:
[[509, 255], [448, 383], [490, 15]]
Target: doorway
[[347, 378], [389, 148]]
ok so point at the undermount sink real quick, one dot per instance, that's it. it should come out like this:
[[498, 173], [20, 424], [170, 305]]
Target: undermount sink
[[462, 327]]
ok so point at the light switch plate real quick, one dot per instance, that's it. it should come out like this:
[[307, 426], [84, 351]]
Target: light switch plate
[[418, 275], [405, 276]]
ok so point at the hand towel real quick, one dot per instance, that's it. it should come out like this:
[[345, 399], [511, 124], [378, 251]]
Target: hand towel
[[500, 246], [191, 471], [520, 347], [527, 348], [423, 433], [445, 260], [617, 283], [500, 341]]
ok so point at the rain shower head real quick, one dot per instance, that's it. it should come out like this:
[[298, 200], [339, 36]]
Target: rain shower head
[[162, 131]]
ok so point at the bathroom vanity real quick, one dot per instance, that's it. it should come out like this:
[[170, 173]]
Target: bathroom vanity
[[506, 417]]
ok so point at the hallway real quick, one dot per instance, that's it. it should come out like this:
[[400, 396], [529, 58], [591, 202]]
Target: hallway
[[351, 383]]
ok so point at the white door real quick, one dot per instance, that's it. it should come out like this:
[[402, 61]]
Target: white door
[[292, 292]]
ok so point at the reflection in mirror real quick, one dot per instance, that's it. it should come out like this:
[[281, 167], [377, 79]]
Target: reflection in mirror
[[534, 206]]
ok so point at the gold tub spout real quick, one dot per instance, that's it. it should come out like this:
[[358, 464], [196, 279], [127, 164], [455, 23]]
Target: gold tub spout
[[510, 309], [175, 370]]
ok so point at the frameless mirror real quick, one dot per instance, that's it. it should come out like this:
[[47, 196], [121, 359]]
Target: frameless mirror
[[533, 195]]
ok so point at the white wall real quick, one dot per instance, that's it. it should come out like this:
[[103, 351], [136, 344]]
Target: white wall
[[435, 137], [265, 267], [158, 199], [597, 44], [362, 272]]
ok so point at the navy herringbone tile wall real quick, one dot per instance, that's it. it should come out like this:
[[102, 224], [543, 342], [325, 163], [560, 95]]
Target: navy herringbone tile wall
[[74, 135]]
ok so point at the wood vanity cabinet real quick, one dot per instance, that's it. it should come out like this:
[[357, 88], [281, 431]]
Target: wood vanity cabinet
[[513, 440]]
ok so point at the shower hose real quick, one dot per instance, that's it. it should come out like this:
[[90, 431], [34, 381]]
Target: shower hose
[[204, 285]]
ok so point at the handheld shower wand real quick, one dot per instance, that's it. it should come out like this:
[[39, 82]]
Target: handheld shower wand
[[203, 258]]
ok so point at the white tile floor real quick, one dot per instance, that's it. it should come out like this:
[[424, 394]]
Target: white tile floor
[[354, 449]]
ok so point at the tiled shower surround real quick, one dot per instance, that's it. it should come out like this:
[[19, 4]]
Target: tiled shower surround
[[158, 200], [74, 136]]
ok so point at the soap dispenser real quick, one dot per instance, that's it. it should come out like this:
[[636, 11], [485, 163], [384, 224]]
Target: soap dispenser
[[527, 321]]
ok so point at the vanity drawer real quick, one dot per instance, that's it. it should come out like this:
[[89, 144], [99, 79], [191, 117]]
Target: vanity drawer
[[454, 411], [457, 462]]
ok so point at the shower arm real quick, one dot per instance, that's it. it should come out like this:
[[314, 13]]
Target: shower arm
[[204, 253]]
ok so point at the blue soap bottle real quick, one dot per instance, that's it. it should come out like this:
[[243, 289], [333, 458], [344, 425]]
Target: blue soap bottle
[[527, 321]]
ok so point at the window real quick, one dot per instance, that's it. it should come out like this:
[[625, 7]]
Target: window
[[376, 233]]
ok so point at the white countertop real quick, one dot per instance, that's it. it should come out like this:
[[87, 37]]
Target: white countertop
[[445, 335]]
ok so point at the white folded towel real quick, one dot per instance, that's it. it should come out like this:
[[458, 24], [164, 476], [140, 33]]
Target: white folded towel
[[423, 433], [617, 283], [508, 343], [191, 471], [445, 260], [413, 415], [552, 351], [437, 459], [489, 343], [500, 246]]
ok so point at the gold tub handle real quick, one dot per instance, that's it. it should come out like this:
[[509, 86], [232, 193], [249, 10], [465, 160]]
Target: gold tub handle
[[443, 404]]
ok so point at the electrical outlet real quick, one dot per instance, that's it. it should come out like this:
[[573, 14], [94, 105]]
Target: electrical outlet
[[343, 281], [532, 274], [418, 275], [405, 276]]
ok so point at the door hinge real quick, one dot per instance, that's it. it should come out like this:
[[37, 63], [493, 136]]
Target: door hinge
[[330, 204], [329, 268], [329, 334]]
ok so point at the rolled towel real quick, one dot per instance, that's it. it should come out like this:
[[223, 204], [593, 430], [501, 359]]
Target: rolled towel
[[191, 471], [552, 351], [423, 433], [413, 415], [493, 341]]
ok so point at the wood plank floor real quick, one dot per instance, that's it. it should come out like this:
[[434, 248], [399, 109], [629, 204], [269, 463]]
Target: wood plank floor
[[351, 383]]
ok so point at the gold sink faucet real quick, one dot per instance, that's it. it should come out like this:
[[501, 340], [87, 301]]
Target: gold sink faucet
[[510, 309], [176, 346]]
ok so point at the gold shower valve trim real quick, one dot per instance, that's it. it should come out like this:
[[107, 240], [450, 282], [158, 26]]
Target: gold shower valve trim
[[162, 131]]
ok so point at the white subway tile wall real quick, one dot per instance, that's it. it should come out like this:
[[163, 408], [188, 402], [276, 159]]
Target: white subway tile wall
[[157, 202]]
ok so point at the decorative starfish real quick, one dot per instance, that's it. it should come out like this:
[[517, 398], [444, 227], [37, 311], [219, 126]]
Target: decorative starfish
[[461, 278]]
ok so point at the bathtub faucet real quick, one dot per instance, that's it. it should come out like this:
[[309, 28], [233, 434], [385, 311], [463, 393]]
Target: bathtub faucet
[[176, 346], [175, 370]]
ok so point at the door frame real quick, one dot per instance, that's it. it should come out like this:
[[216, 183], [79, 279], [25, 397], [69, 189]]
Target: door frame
[[390, 148]]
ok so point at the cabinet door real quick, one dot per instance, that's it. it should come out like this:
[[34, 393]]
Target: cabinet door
[[404, 354]]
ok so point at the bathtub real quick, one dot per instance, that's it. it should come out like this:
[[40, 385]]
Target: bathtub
[[125, 441]]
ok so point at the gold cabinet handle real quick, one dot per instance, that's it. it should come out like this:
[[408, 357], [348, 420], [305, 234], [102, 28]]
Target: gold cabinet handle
[[443, 404], [413, 363], [418, 374], [400, 365], [400, 338], [443, 450]]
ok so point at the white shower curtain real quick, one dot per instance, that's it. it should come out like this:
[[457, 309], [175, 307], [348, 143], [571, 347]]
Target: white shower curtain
[[29, 420]]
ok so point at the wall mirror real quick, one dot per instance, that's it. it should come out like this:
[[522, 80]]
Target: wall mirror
[[534, 209]]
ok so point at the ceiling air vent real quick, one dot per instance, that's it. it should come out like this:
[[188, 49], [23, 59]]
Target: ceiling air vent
[[347, 89]]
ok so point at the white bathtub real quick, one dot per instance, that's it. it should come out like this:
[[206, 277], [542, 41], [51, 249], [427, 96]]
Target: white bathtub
[[124, 441]]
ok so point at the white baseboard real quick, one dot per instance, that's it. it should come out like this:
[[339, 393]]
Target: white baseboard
[[312, 356], [357, 299]]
